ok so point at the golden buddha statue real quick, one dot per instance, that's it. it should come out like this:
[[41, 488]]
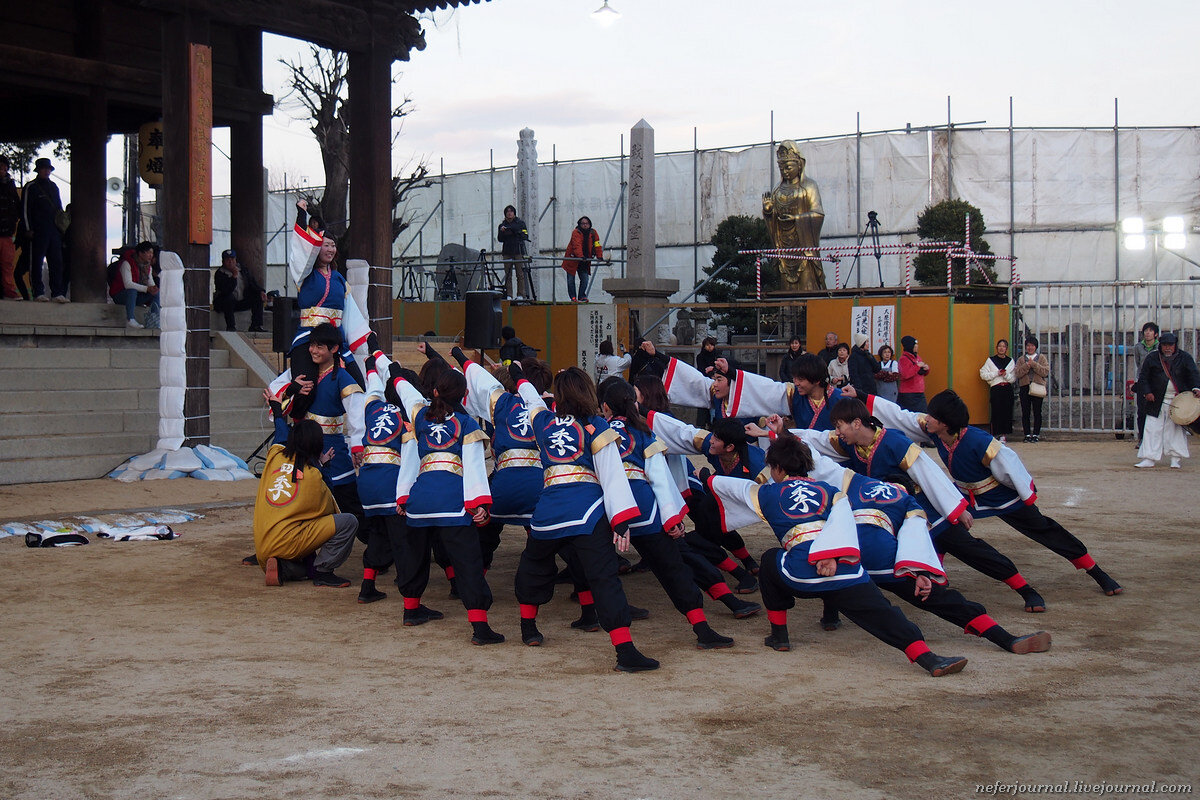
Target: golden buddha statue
[[794, 216]]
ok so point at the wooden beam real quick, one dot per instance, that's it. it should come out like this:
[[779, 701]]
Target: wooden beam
[[247, 200]]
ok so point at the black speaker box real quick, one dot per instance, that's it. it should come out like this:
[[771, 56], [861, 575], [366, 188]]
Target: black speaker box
[[484, 319], [285, 319]]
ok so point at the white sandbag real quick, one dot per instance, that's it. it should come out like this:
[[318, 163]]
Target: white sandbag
[[170, 402], [151, 460], [172, 318], [358, 276], [218, 458], [171, 371], [172, 343], [223, 475], [182, 459]]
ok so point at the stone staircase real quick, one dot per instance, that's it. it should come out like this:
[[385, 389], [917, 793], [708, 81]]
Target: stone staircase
[[81, 392]]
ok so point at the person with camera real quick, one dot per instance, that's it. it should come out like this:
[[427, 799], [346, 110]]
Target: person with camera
[[512, 235], [912, 376], [1033, 372]]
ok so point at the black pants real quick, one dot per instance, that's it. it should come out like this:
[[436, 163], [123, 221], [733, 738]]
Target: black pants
[[975, 553], [1034, 404], [1141, 414], [597, 559], [47, 245], [862, 603], [662, 553], [944, 602], [346, 495], [1002, 409], [704, 514], [462, 545], [1030, 521], [384, 536], [703, 571], [489, 541], [226, 304]]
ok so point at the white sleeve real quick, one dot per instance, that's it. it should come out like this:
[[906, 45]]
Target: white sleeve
[[303, 246], [127, 277], [533, 401], [280, 383], [753, 395], [915, 554], [622, 364], [988, 371], [686, 385], [476, 491], [482, 391], [679, 437], [356, 427], [827, 470], [679, 466], [893, 416], [410, 466], [1008, 468], [820, 443], [412, 399], [942, 493], [839, 535], [737, 501], [1010, 372], [619, 504], [355, 327], [670, 501]]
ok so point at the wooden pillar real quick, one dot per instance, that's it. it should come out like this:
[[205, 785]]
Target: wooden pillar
[[247, 201], [178, 192], [370, 79], [89, 136]]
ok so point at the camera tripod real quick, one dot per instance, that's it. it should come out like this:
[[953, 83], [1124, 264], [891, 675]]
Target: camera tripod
[[872, 227]]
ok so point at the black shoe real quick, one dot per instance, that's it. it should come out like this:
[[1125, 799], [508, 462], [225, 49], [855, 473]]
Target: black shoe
[[638, 613], [420, 615], [623, 565], [250, 560], [945, 665], [831, 623], [1107, 584], [750, 564], [587, 622], [711, 640], [1028, 438], [746, 585], [1034, 604], [777, 643], [1031, 643], [530, 635], [741, 608], [630, 660], [484, 635], [1035, 439], [371, 595], [327, 580]]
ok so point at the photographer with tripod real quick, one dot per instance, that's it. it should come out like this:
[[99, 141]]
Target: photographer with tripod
[[512, 235]]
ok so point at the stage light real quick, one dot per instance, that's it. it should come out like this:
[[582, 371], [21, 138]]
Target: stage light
[[1135, 241], [1133, 225]]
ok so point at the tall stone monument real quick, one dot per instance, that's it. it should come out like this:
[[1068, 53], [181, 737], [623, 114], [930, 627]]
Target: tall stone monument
[[641, 286], [527, 193]]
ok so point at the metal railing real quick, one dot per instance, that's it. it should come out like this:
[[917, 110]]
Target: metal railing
[[1088, 331]]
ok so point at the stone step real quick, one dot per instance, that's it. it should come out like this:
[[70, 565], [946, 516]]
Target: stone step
[[125, 444], [75, 357], [101, 315], [68, 424], [21, 402], [67, 468], [53, 380]]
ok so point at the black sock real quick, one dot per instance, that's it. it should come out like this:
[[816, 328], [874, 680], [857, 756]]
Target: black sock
[[927, 659], [998, 636], [368, 586], [529, 628], [780, 632]]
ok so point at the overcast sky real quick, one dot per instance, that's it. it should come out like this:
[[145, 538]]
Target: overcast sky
[[489, 70]]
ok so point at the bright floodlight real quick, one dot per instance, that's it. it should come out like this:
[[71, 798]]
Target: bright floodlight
[[606, 14], [1135, 241], [1175, 241], [1173, 225], [1134, 225]]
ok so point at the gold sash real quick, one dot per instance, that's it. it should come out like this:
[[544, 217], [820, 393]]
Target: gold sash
[[635, 473], [519, 458], [557, 476], [374, 454], [446, 462], [804, 532], [330, 425], [314, 315], [872, 516]]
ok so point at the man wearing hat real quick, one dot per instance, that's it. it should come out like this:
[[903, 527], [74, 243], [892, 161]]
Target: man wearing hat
[[43, 212], [236, 290], [1164, 374]]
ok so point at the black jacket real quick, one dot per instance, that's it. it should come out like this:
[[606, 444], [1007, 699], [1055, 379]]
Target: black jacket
[[1152, 377], [10, 207], [705, 359], [512, 237], [863, 367], [42, 204], [225, 284], [785, 365], [642, 363]]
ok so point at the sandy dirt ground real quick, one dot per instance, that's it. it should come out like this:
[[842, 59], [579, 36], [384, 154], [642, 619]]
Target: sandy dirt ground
[[166, 670]]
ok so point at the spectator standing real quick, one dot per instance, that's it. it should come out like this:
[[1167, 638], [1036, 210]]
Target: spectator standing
[[132, 285], [607, 363], [999, 371], [913, 370], [45, 220], [863, 366], [583, 249], [10, 215], [237, 290], [706, 362], [1147, 345], [1033, 372], [1164, 374], [793, 352], [839, 368], [829, 351], [887, 377], [512, 235]]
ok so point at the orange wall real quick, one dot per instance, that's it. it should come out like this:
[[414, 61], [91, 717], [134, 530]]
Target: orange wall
[[552, 329], [955, 338]]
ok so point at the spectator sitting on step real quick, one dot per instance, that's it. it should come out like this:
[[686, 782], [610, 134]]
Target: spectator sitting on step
[[132, 285], [237, 290]]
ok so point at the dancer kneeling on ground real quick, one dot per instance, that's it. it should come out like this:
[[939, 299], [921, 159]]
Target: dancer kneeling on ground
[[298, 532], [586, 508], [820, 555]]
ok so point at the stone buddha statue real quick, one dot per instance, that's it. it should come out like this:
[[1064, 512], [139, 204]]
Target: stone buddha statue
[[794, 216]]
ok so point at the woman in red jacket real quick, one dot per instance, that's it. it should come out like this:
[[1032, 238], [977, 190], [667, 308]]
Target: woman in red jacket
[[584, 246], [912, 376]]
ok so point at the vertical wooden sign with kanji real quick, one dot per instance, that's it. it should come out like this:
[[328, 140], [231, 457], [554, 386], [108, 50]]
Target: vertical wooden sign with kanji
[[200, 120]]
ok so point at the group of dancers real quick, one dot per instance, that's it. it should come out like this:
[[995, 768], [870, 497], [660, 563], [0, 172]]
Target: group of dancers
[[587, 471]]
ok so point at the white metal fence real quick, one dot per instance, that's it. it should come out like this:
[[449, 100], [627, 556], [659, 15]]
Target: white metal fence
[[1088, 332]]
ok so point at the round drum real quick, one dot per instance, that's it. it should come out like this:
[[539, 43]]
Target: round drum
[[1185, 411]]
